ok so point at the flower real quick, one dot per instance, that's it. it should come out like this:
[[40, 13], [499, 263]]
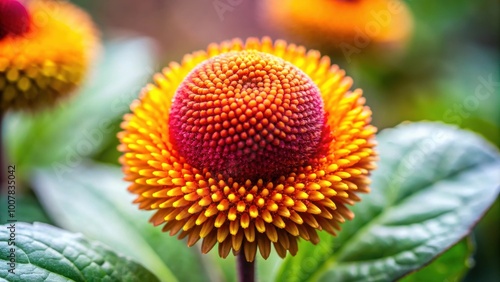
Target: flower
[[247, 145], [45, 50], [333, 22]]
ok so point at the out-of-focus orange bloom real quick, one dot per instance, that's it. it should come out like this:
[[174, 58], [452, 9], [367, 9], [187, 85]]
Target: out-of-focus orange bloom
[[333, 22], [45, 50]]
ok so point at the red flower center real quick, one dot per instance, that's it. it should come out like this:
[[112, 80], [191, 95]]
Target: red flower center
[[14, 18], [247, 115]]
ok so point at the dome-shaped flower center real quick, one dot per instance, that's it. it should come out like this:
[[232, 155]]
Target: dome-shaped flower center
[[247, 115], [14, 18]]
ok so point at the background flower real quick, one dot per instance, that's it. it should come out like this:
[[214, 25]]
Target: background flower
[[48, 57], [335, 23]]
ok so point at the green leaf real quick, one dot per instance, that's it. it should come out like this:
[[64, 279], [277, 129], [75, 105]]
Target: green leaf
[[63, 136], [46, 253], [433, 184], [93, 200], [450, 266]]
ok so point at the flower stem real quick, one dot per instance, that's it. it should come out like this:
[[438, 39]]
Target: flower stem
[[246, 270]]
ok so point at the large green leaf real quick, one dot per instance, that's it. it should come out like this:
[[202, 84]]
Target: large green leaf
[[93, 200], [434, 182], [63, 136], [450, 266], [46, 253]]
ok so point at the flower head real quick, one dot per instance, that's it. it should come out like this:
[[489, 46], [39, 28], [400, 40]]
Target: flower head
[[332, 22], [248, 145], [45, 49], [265, 118]]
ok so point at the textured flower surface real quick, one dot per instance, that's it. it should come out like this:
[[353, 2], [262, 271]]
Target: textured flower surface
[[249, 145], [45, 50], [341, 21]]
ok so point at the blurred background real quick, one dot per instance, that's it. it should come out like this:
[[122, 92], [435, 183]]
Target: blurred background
[[445, 68]]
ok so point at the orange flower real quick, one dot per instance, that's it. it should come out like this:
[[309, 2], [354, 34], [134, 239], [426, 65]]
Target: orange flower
[[333, 22], [247, 145], [45, 50]]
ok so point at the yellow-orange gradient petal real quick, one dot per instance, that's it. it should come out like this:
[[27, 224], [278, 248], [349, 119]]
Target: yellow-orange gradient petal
[[204, 143], [333, 22], [47, 60]]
